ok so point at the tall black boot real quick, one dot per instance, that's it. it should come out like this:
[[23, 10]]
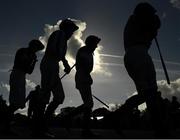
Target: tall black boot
[[154, 106], [86, 126]]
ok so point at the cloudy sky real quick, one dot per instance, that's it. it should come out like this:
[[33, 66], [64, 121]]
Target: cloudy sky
[[22, 21]]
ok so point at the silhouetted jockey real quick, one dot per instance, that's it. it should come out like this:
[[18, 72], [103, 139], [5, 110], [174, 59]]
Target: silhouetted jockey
[[84, 66], [141, 28], [33, 99], [25, 60], [55, 52]]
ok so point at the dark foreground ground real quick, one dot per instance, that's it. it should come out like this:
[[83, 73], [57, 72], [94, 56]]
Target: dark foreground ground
[[20, 132]]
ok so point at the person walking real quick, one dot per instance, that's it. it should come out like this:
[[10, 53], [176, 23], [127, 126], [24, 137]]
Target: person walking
[[141, 28], [24, 63], [49, 67], [84, 81]]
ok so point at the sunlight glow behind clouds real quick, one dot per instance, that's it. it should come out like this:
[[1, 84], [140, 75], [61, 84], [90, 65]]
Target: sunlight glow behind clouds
[[74, 44]]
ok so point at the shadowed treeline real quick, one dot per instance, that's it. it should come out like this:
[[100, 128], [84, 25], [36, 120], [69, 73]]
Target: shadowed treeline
[[119, 121]]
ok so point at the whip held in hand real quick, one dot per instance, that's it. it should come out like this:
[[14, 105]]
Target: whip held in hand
[[92, 95], [162, 61], [66, 73]]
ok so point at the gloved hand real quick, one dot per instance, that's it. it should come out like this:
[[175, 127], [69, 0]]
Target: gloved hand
[[67, 69]]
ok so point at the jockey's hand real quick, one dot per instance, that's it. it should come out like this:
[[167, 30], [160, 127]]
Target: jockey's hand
[[67, 69]]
